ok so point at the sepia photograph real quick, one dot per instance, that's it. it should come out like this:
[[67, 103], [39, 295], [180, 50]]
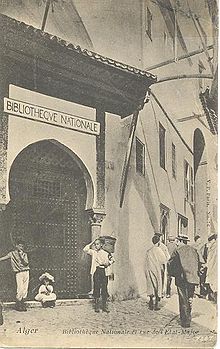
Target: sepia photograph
[[108, 173]]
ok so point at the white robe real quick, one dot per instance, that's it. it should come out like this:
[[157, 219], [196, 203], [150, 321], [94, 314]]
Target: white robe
[[45, 294], [211, 277], [155, 258]]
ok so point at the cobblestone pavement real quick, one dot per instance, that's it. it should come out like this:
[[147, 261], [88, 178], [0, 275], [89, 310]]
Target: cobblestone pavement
[[130, 323]]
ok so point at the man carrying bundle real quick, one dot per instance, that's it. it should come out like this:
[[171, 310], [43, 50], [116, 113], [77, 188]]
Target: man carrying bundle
[[101, 261]]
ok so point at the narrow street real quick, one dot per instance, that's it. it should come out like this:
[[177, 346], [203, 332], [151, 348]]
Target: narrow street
[[131, 320]]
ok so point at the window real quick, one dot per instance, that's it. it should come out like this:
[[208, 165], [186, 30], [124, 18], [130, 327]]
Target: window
[[173, 160], [164, 222], [149, 23], [182, 225], [188, 182], [191, 186], [162, 132], [140, 157]]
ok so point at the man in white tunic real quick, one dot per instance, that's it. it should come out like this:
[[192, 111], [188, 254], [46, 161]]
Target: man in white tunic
[[155, 259]]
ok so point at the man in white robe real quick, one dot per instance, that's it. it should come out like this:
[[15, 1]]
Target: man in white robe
[[155, 259]]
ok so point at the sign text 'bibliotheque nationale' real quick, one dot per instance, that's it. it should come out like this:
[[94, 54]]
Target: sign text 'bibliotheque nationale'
[[49, 116]]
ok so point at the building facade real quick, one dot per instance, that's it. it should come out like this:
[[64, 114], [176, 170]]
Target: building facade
[[61, 177]]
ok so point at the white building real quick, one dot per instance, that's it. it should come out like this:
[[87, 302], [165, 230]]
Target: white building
[[58, 172]]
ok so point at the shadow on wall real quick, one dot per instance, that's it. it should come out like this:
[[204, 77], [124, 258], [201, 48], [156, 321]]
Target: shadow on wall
[[124, 285], [133, 239], [143, 188]]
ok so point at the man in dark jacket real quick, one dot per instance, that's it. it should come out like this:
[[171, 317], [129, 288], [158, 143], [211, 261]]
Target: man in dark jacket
[[184, 266]]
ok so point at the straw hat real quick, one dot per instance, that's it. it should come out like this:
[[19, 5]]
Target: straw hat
[[182, 238], [46, 276], [212, 237]]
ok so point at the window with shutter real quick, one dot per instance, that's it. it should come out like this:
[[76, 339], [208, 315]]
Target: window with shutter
[[182, 225], [162, 146], [140, 157], [188, 183]]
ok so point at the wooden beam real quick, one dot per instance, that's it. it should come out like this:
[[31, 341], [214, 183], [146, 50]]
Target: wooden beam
[[125, 170], [184, 76], [172, 60], [190, 117], [45, 14]]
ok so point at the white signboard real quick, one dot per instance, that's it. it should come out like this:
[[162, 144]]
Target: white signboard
[[49, 116]]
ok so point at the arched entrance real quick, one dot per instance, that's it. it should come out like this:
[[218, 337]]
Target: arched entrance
[[48, 200], [201, 184]]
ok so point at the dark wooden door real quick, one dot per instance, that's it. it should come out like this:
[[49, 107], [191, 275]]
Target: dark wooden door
[[48, 198]]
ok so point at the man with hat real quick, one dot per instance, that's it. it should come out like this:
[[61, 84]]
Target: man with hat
[[184, 266]]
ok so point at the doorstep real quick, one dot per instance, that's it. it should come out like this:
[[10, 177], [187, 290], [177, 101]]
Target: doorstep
[[59, 302]]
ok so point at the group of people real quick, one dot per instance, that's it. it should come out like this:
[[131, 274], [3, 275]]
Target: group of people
[[192, 266], [20, 266], [100, 269]]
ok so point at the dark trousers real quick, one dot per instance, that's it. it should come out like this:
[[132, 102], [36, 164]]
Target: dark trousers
[[169, 280], [100, 284], [185, 293], [203, 285]]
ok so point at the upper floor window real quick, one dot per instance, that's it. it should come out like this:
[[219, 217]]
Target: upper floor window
[[140, 157], [182, 225], [162, 146], [173, 160], [188, 182], [164, 222], [149, 23]]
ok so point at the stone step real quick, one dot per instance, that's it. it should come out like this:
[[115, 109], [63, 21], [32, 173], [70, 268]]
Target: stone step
[[59, 302]]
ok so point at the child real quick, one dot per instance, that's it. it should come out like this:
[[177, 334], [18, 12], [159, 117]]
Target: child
[[20, 265], [45, 294], [101, 261]]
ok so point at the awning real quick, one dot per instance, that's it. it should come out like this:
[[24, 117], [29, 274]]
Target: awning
[[55, 67]]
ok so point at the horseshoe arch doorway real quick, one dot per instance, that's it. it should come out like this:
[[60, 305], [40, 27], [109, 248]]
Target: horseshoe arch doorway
[[49, 188]]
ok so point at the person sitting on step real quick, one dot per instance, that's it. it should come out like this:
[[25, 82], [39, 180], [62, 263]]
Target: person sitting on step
[[45, 294]]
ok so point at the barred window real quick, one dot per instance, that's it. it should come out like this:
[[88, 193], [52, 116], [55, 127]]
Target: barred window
[[46, 189], [162, 146], [140, 157], [173, 160]]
